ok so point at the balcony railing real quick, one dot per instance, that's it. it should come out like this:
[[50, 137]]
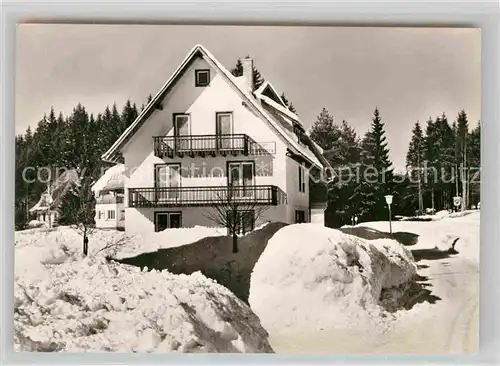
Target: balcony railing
[[206, 145], [200, 196], [108, 199]]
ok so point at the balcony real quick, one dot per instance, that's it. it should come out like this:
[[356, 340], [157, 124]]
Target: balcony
[[204, 196], [206, 145], [108, 199]]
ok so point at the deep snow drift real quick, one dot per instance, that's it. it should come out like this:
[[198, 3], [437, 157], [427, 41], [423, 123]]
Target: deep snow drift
[[64, 302], [312, 278]]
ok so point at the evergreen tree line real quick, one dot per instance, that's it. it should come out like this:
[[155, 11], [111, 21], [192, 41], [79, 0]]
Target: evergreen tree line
[[63, 142], [442, 162]]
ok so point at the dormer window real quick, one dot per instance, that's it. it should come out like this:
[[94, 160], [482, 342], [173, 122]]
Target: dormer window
[[299, 132], [202, 77]]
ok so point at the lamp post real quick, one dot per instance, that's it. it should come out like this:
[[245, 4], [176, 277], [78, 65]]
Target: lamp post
[[388, 200]]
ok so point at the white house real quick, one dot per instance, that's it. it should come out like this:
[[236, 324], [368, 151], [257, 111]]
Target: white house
[[109, 196], [44, 211], [205, 131], [47, 210]]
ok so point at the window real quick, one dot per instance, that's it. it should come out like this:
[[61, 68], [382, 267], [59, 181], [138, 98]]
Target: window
[[302, 179], [245, 221], [202, 77], [224, 129], [168, 176], [167, 220], [111, 214], [241, 178], [299, 132], [300, 216], [182, 130], [100, 215]]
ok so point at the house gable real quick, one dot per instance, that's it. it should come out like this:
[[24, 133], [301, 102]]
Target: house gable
[[248, 100], [201, 104]]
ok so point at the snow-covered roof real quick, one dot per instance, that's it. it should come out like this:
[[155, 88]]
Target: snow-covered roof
[[266, 85], [44, 204], [112, 179], [53, 195], [113, 154]]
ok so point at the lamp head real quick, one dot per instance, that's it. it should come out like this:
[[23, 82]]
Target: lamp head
[[388, 199]]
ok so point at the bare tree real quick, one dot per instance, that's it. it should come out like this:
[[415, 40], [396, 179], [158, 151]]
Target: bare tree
[[81, 207], [237, 209]]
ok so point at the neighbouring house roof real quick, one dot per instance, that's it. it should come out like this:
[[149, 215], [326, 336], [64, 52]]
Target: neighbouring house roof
[[113, 153], [112, 179], [51, 199], [44, 204]]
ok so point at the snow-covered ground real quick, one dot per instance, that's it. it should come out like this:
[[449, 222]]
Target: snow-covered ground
[[450, 325], [48, 243], [64, 302], [315, 290], [441, 232], [323, 280]]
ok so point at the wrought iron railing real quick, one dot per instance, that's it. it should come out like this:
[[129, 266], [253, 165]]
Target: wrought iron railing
[[109, 199], [203, 145], [199, 196]]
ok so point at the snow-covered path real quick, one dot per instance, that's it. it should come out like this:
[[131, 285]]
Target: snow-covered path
[[449, 326]]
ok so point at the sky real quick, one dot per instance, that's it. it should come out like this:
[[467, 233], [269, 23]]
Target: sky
[[410, 74]]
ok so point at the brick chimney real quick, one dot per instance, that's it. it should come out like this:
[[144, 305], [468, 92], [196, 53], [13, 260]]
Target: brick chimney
[[248, 73]]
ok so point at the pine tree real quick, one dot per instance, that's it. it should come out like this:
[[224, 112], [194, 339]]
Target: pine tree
[[446, 162], [415, 160], [324, 132], [474, 159], [288, 104], [129, 115], [431, 156], [462, 141], [377, 172], [238, 69]]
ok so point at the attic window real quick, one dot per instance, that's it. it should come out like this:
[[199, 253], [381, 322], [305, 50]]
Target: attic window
[[202, 77], [299, 132]]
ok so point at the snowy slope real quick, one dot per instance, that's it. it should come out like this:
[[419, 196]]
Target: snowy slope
[[64, 302], [324, 279]]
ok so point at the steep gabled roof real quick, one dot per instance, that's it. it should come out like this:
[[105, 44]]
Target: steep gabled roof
[[113, 154]]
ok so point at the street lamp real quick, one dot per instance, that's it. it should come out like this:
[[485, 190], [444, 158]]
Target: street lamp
[[388, 200]]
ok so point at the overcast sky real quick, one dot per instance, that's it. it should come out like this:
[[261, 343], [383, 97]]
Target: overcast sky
[[410, 74]]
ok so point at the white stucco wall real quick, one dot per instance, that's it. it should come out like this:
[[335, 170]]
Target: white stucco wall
[[140, 220], [104, 222], [296, 200]]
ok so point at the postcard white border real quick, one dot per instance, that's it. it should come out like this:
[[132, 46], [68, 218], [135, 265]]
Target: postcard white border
[[484, 15]]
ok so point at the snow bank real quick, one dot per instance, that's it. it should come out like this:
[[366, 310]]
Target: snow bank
[[151, 242], [87, 304], [440, 234], [45, 245], [36, 224], [315, 278]]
